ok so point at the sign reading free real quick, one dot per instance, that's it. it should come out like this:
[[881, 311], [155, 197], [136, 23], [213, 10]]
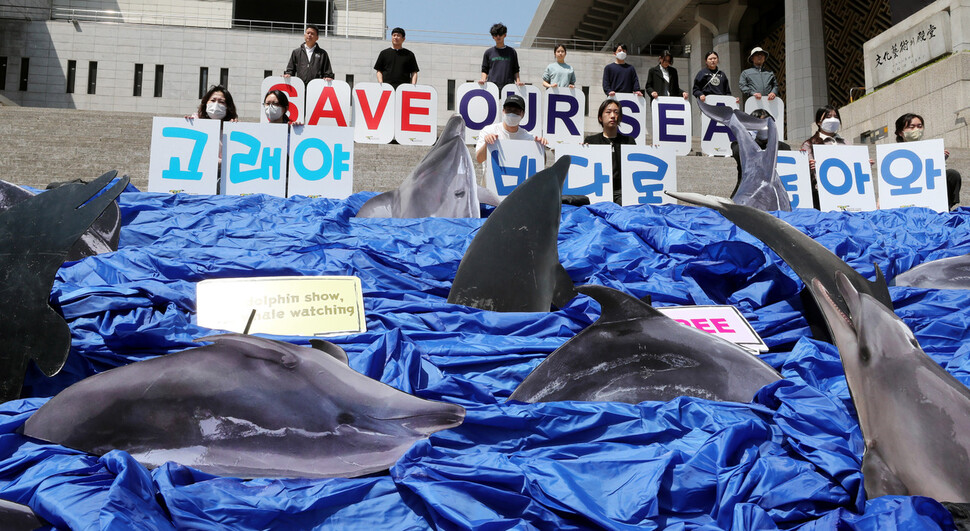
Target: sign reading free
[[724, 321]]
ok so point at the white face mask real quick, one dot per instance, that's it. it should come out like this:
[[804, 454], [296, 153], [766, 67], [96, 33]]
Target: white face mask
[[216, 111], [621, 56], [913, 136], [273, 112], [830, 125], [511, 120]]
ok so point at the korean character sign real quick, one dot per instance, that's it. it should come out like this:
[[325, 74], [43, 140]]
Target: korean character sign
[[912, 174], [590, 171], [478, 107], [510, 162], [184, 156], [254, 158], [671, 123], [793, 171], [844, 178], [321, 161], [647, 171]]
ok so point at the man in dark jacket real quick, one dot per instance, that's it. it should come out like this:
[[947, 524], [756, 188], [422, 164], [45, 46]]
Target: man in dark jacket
[[309, 61], [662, 79]]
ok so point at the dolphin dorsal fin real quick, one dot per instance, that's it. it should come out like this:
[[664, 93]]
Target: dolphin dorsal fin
[[880, 289], [616, 305], [334, 351]]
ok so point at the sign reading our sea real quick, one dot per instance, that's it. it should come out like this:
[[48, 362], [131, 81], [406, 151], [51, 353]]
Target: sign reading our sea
[[300, 306]]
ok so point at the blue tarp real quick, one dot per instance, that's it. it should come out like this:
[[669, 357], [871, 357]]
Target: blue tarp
[[790, 459]]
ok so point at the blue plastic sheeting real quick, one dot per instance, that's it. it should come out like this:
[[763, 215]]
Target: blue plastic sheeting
[[790, 459]]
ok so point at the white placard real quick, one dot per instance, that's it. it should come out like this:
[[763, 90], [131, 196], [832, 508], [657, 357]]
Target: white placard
[[716, 137], [590, 171], [532, 121], [844, 178], [478, 106], [724, 321], [634, 122], [775, 107], [374, 111], [648, 171], [321, 161], [671, 123], [328, 103], [795, 176], [510, 162], [912, 174], [254, 158], [416, 120], [295, 94], [184, 156], [564, 110]]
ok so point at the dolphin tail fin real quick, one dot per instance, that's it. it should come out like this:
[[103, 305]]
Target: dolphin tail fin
[[880, 480]]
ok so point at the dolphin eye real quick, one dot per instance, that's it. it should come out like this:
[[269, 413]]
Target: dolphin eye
[[345, 418], [460, 193]]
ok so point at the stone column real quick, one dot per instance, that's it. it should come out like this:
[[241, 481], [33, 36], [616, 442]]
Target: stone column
[[806, 86]]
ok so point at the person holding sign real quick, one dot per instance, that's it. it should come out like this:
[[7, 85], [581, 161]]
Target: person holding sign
[[619, 76], [756, 81], [507, 129], [828, 121], [309, 61], [396, 65], [909, 128], [500, 64], [710, 80], [609, 115], [559, 74], [662, 79]]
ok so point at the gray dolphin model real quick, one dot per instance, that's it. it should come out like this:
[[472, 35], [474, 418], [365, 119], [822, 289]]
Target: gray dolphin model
[[809, 259], [760, 186], [512, 264], [35, 237], [442, 185], [945, 273], [244, 406], [914, 415], [18, 517], [634, 353]]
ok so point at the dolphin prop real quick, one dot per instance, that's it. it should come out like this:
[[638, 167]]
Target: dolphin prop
[[442, 185], [243, 406], [512, 264], [634, 353], [809, 259], [914, 415], [101, 237], [946, 273], [35, 236], [760, 186], [18, 517]]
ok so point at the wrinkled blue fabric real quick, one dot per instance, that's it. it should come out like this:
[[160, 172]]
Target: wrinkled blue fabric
[[789, 459]]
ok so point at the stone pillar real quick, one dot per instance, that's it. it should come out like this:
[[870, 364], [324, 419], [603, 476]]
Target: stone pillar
[[805, 81]]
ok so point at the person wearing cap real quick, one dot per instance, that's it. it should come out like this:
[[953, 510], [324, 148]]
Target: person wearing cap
[[396, 65], [756, 81], [508, 129]]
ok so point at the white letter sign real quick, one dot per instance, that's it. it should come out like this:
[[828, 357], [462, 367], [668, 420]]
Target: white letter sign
[[416, 120], [321, 161], [912, 174], [328, 103], [184, 155], [793, 171], [634, 122], [647, 171], [510, 162], [374, 112], [295, 93], [254, 158], [590, 171], [478, 106], [844, 178], [672, 124], [564, 111], [716, 137]]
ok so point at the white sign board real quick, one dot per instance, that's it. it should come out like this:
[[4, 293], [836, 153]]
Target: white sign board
[[321, 161], [590, 171], [478, 106], [295, 93], [646, 172], [254, 158], [184, 156], [374, 111], [564, 110], [671, 123], [716, 137], [416, 120], [724, 321], [775, 107], [844, 178], [510, 162], [532, 120], [795, 176], [912, 174], [328, 103], [634, 121]]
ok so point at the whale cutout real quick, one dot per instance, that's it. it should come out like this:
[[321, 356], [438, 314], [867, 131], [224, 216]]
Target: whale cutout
[[243, 406], [809, 259], [760, 185], [946, 273], [442, 185], [512, 264], [914, 415], [634, 353], [35, 236]]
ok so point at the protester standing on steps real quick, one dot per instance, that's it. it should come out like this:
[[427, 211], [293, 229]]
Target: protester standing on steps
[[620, 76], [500, 64], [609, 115], [396, 65], [559, 74], [710, 80], [756, 82], [662, 79], [309, 61], [909, 128]]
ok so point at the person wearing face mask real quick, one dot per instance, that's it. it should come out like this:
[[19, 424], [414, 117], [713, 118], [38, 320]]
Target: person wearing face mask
[[559, 74], [217, 104], [760, 139], [710, 80], [619, 76], [828, 121], [609, 115], [276, 107], [508, 129], [309, 61], [909, 128], [662, 79]]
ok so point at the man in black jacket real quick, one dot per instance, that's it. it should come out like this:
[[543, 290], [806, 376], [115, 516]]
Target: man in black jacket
[[662, 79], [309, 61]]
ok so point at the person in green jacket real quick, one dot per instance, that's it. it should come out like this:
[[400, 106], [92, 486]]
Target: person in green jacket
[[756, 81]]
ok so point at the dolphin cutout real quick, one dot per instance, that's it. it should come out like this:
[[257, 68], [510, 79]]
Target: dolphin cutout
[[243, 406], [809, 259], [442, 185], [512, 264], [760, 185], [35, 236], [101, 237], [634, 353], [946, 273], [914, 415], [18, 517]]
